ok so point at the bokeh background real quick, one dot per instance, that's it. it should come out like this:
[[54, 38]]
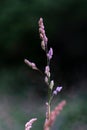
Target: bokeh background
[[23, 92]]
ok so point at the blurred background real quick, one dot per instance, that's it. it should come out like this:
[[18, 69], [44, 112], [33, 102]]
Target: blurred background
[[23, 92]]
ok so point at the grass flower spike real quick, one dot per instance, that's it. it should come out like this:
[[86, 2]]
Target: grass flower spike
[[49, 122], [42, 32], [31, 64], [28, 125], [50, 114]]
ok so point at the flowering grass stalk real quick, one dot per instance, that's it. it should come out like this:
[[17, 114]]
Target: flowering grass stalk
[[50, 115], [28, 125]]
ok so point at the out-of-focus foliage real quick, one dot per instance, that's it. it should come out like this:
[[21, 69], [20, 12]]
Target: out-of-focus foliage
[[15, 111], [18, 19]]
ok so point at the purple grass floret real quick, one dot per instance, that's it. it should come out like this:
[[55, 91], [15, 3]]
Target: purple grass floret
[[54, 92], [50, 54], [58, 89], [31, 64]]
